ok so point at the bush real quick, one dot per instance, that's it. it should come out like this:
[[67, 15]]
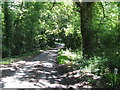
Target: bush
[[113, 80]]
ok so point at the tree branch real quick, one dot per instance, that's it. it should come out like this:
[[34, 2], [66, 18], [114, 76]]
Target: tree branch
[[53, 4], [102, 9], [78, 4]]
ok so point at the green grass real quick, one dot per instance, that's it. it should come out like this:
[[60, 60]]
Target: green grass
[[9, 60], [6, 62]]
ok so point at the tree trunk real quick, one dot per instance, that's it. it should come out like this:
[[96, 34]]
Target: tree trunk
[[118, 37], [7, 29], [86, 18]]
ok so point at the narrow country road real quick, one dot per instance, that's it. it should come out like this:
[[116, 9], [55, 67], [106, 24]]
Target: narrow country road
[[40, 72]]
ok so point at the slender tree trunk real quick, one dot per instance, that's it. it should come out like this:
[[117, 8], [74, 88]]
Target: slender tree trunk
[[7, 28], [18, 35], [118, 37], [0, 32]]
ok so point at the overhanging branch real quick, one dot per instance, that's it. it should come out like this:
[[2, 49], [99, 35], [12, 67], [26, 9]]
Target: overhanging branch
[[78, 4], [102, 9], [53, 4]]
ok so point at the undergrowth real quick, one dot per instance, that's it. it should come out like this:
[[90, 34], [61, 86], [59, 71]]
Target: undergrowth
[[95, 65]]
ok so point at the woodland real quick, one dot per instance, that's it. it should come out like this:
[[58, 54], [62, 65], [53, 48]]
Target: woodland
[[88, 31]]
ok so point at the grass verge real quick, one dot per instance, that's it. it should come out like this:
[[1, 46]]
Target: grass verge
[[25, 56]]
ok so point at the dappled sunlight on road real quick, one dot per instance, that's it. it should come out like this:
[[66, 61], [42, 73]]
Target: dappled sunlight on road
[[39, 72]]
